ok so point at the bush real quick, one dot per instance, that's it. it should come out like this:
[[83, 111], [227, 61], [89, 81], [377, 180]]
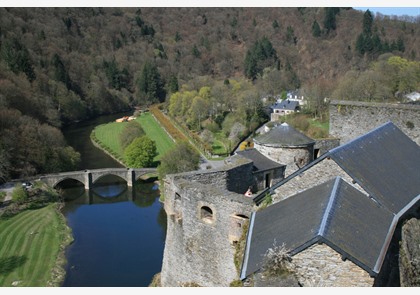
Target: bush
[[277, 261], [19, 194], [2, 197]]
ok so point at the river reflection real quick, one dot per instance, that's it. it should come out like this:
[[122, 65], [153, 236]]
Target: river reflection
[[119, 234]]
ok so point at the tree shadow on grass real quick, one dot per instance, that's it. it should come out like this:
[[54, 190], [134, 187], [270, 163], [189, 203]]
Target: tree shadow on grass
[[8, 264]]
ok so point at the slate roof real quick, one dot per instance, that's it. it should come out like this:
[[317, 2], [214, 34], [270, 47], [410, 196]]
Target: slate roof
[[291, 105], [334, 213], [261, 162], [385, 163], [284, 135]]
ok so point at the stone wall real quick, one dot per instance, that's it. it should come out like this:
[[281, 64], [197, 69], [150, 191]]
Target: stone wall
[[275, 176], [410, 254], [205, 221], [351, 119], [292, 157], [321, 266], [325, 170], [324, 145]]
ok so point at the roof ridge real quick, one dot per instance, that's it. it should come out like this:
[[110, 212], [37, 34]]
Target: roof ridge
[[333, 196]]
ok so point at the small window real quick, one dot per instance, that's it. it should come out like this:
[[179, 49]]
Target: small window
[[206, 214]]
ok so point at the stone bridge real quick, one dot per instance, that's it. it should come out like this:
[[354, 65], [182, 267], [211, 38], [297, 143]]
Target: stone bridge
[[89, 177]]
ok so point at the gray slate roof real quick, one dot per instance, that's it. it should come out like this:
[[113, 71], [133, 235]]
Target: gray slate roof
[[334, 213], [261, 162], [385, 163], [284, 135], [291, 105]]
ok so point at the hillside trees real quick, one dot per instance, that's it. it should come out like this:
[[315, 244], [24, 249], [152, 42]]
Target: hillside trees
[[388, 79], [260, 56], [369, 42], [150, 85], [16, 55]]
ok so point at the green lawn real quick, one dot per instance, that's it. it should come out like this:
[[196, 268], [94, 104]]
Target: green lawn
[[30, 246], [156, 133], [108, 135]]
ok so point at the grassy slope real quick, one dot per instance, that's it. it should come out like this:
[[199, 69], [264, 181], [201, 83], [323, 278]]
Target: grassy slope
[[30, 246], [108, 135]]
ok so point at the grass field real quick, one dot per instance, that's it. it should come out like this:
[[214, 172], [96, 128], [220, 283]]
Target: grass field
[[108, 135], [30, 246], [156, 133]]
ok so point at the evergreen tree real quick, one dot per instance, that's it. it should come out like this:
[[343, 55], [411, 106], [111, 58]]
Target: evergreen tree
[[151, 85], [367, 23], [316, 30], [173, 84], [330, 19], [60, 72], [17, 58], [400, 44], [261, 55]]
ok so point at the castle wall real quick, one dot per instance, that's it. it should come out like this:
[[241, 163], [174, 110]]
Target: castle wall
[[321, 266], [293, 158], [351, 119], [204, 222]]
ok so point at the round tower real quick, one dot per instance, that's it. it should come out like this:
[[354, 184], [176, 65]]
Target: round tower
[[286, 145]]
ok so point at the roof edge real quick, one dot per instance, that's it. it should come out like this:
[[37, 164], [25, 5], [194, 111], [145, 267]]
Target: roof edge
[[247, 247], [391, 231]]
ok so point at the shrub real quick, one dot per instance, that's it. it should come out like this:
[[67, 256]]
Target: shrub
[[19, 194], [2, 196], [277, 261]]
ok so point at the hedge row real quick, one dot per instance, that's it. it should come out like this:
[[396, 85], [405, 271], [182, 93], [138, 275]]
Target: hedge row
[[167, 124]]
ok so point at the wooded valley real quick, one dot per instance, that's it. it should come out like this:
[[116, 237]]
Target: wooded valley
[[62, 65]]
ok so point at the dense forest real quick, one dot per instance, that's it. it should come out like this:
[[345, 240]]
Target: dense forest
[[63, 65]]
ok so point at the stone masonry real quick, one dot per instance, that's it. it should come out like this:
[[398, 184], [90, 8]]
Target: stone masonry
[[321, 266], [351, 119], [206, 212]]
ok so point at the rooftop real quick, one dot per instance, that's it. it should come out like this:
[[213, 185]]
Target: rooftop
[[284, 135]]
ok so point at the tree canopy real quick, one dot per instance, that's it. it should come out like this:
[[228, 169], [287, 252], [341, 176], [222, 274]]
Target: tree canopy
[[141, 153], [181, 158]]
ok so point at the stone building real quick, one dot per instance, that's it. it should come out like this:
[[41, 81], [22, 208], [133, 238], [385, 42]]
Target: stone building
[[266, 172], [206, 211], [286, 145], [340, 216]]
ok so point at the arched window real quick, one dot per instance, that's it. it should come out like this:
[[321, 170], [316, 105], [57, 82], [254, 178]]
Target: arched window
[[206, 214]]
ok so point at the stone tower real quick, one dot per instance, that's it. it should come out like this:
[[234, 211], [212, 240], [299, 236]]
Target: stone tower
[[206, 212]]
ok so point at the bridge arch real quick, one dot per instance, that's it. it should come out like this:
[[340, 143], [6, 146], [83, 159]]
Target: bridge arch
[[64, 179], [89, 177]]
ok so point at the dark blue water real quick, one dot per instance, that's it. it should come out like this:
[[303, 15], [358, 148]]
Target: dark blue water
[[119, 232]]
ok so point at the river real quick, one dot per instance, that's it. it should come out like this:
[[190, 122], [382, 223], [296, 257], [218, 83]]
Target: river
[[119, 232]]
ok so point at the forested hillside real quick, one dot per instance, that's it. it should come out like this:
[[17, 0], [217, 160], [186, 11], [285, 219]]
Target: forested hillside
[[60, 65]]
